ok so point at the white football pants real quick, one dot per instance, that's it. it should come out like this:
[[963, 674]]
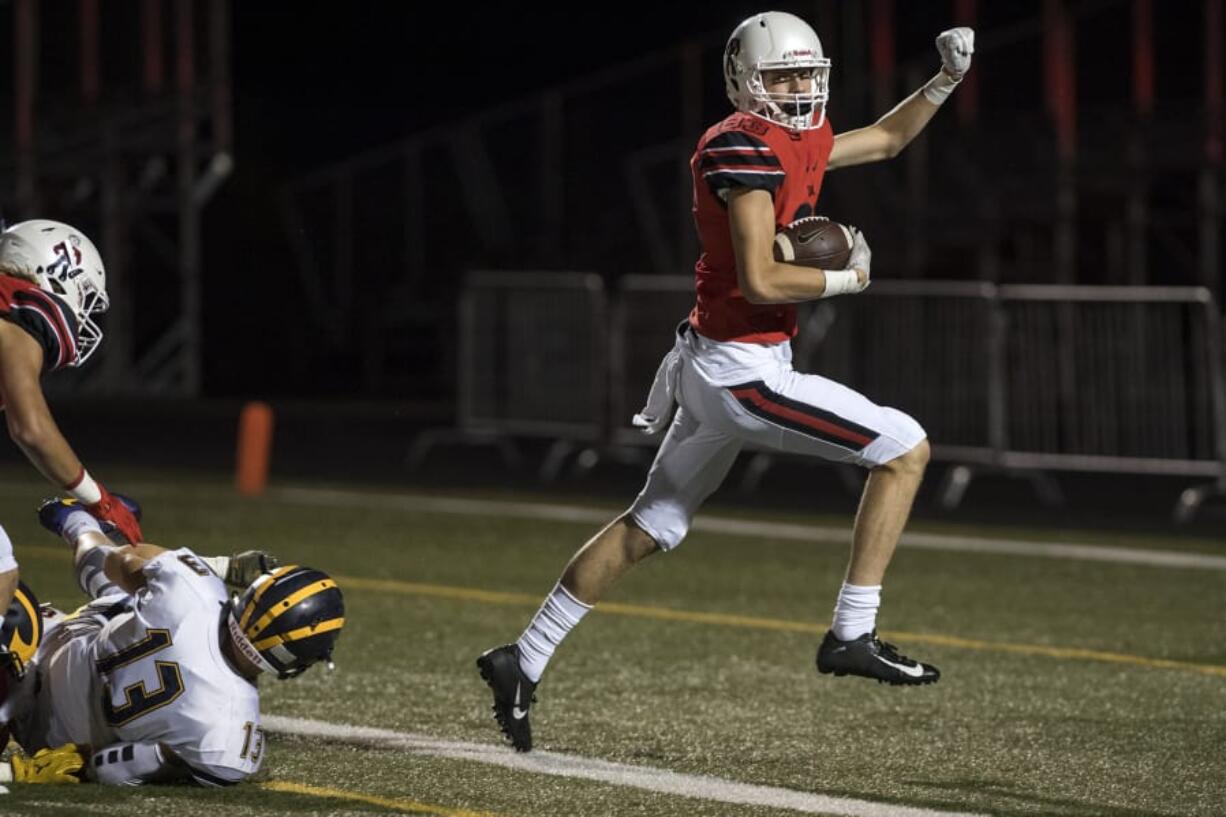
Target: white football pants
[[730, 394]]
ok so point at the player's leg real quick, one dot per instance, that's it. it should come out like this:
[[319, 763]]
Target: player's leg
[[809, 414], [90, 545], [885, 506], [691, 463], [605, 558]]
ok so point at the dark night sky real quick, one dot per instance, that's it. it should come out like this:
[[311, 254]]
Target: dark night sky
[[317, 82]]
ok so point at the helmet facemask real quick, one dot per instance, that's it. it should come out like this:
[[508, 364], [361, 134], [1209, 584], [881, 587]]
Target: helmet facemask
[[93, 301], [800, 111]]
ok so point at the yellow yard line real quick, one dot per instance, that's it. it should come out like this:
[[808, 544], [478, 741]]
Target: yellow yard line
[[776, 624], [406, 806], [748, 622]]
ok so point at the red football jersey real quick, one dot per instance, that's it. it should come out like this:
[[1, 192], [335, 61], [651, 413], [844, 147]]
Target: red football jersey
[[748, 151], [48, 319]]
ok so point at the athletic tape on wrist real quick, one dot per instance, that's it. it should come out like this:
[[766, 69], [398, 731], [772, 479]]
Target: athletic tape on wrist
[[938, 89], [84, 489], [841, 282]]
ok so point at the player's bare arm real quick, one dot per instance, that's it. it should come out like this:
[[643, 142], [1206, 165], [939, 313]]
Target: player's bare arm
[[27, 415], [762, 279], [886, 137]]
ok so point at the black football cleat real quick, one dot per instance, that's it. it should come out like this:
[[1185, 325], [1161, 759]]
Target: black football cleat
[[872, 658], [513, 693]]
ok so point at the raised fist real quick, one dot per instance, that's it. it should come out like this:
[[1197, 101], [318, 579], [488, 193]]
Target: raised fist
[[956, 47]]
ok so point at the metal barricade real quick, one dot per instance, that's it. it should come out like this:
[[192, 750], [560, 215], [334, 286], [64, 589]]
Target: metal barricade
[[532, 361], [1023, 380], [1020, 379], [923, 347], [1116, 379], [532, 354]]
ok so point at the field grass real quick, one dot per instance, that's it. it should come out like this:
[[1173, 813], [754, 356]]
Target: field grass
[[1069, 688]]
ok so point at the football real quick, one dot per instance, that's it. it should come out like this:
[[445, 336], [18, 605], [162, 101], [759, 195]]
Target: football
[[814, 241]]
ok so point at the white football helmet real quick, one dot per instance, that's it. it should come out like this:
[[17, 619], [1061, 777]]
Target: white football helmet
[[774, 41], [63, 261]]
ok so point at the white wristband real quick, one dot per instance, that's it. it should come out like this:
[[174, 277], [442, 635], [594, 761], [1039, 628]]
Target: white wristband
[[841, 282], [84, 489], [938, 89], [218, 564]]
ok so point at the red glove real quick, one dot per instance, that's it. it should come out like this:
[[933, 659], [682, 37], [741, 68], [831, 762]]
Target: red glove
[[110, 509]]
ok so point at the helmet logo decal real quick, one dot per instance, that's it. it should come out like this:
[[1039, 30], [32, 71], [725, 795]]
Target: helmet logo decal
[[64, 267]]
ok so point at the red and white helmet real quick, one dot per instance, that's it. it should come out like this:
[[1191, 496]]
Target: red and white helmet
[[63, 261], [774, 41]]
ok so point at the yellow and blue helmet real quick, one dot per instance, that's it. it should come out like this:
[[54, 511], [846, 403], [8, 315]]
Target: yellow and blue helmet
[[21, 631], [288, 619]]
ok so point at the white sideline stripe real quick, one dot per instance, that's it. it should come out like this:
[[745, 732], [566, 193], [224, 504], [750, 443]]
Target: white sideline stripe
[[619, 774], [745, 527]]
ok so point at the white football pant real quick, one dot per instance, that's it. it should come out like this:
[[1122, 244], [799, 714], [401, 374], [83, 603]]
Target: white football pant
[[731, 394]]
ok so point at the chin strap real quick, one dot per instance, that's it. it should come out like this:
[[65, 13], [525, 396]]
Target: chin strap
[[245, 646]]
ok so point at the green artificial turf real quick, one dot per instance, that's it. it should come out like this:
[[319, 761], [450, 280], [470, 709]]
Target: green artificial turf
[[1009, 730]]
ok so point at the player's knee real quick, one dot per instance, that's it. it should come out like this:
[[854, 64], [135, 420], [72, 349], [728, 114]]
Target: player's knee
[[913, 462], [637, 544]]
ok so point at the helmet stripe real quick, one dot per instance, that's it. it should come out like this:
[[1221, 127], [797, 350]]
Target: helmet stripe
[[300, 633], [259, 591], [279, 607]]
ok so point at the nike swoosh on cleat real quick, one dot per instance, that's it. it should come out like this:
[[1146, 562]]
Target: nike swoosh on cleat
[[517, 713], [914, 672]]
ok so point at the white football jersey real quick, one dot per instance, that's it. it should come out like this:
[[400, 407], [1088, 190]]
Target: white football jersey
[[154, 673]]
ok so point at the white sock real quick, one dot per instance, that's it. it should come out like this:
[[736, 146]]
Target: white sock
[[91, 577], [90, 554], [557, 617], [79, 523], [855, 613]]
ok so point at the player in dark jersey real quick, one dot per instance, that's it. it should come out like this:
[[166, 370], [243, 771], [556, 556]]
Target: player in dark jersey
[[52, 282], [730, 368]]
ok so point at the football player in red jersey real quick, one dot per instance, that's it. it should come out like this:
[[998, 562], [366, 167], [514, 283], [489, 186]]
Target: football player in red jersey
[[730, 369], [51, 284]]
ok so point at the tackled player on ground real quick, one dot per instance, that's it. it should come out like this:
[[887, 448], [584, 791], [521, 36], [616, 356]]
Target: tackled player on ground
[[155, 679]]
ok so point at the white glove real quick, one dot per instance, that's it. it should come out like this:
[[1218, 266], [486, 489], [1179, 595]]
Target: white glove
[[849, 281], [956, 47], [861, 258]]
